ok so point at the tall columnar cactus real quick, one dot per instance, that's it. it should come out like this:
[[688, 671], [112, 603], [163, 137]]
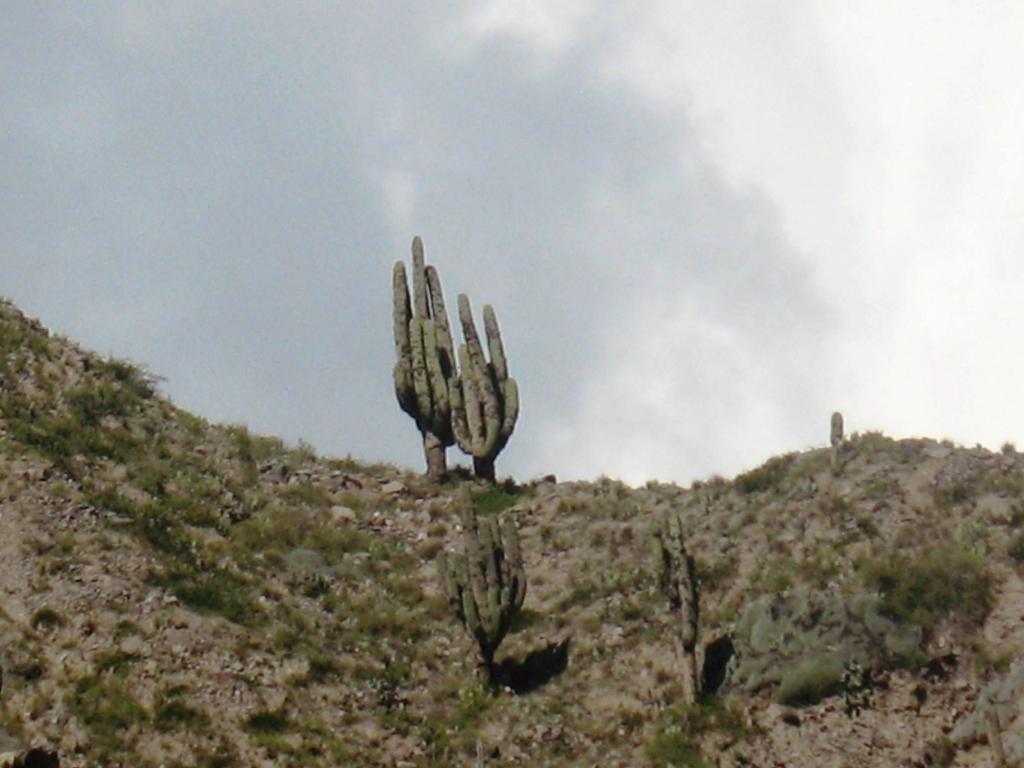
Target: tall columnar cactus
[[677, 578], [836, 439], [995, 739], [484, 399], [426, 357], [486, 584]]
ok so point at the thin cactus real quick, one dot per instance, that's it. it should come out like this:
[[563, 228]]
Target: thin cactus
[[485, 585], [677, 578], [426, 357], [995, 739], [484, 399], [836, 440]]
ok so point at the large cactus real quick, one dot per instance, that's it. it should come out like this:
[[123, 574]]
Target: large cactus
[[484, 399], [426, 357], [485, 585], [677, 578]]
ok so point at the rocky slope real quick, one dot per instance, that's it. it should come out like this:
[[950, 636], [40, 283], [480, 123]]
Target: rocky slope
[[175, 593]]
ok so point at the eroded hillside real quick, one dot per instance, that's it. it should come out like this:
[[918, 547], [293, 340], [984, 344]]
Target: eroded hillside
[[176, 593]]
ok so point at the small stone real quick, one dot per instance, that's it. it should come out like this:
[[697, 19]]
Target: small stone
[[343, 514]]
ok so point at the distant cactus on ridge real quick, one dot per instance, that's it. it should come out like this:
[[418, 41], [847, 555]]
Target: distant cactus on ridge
[[426, 357], [677, 578], [836, 439]]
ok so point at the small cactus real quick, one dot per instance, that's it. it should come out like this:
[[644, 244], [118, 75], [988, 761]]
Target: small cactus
[[995, 739], [426, 357], [677, 577], [484, 399], [836, 440], [485, 585]]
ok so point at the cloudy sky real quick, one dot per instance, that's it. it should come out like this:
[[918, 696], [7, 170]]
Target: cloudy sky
[[703, 225]]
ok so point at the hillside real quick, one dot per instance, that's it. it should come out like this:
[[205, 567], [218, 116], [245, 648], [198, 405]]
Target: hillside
[[176, 593]]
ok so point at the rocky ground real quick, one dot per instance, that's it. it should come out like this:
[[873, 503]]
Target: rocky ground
[[175, 593]]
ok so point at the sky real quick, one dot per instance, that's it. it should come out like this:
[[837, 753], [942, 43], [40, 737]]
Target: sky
[[703, 226]]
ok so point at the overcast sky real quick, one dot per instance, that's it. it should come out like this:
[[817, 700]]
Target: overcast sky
[[703, 226]]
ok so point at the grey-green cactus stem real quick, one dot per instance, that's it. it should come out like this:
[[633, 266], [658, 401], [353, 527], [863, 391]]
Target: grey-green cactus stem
[[485, 585], [995, 739], [484, 399], [677, 578], [836, 440], [425, 357]]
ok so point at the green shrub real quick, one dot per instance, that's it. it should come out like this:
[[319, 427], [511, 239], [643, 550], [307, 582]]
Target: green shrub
[[1016, 549], [322, 668], [115, 661], [925, 587], [62, 436], [171, 712], [951, 494], [106, 708], [767, 476], [674, 748], [495, 500], [215, 591], [136, 382], [46, 618], [812, 681], [266, 721], [677, 741]]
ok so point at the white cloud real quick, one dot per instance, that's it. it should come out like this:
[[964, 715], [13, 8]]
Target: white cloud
[[546, 24], [887, 137]]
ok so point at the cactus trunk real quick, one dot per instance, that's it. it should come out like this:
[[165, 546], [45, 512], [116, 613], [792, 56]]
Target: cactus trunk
[[434, 453], [484, 469]]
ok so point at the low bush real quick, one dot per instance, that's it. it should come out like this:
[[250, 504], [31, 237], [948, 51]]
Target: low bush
[[677, 741], [925, 587], [767, 476], [812, 681]]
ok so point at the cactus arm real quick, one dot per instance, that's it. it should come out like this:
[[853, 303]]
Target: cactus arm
[[510, 393], [514, 558], [474, 558], [494, 345], [460, 426], [440, 412], [404, 390], [451, 585], [445, 346], [420, 376], [469, 411], [491, 550], [419, 280]]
